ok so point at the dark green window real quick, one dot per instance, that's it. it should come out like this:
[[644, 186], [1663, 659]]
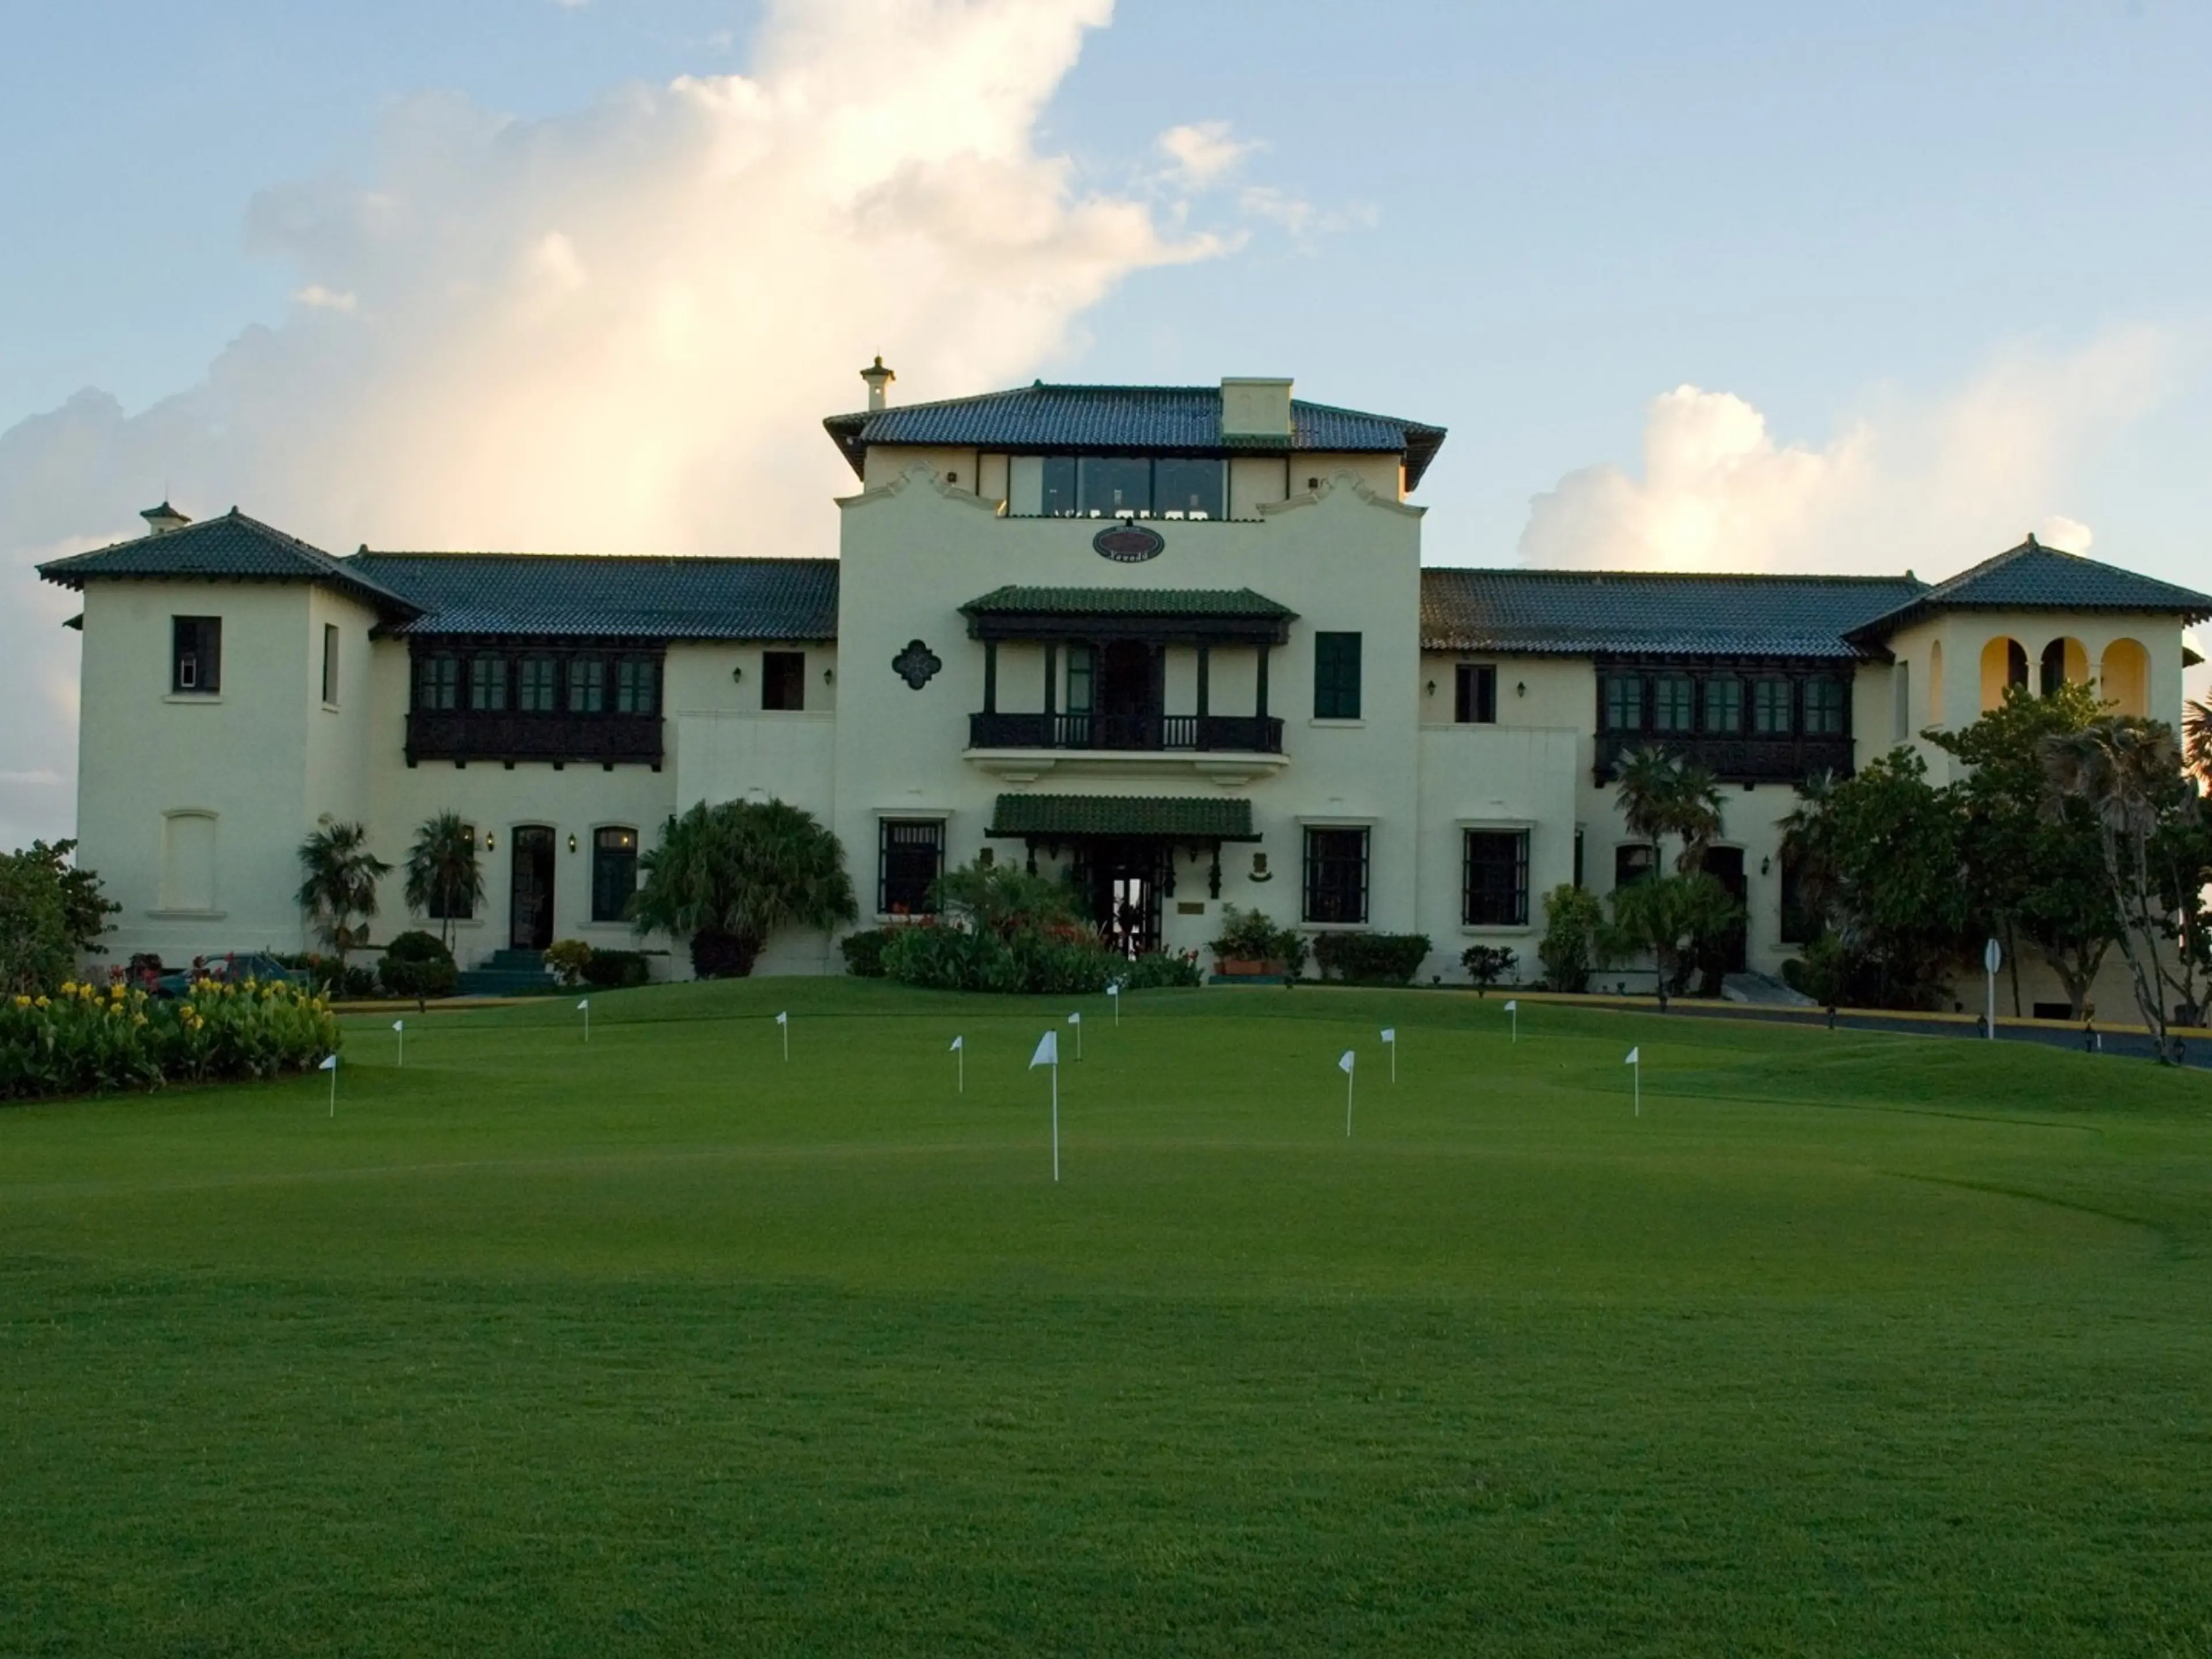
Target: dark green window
[[537, 685], [196, 656], [910, 856], [1494, 878], [588, 686], [635, 692], [614, 872], [1336, 676], [1724, 705], [1336, 875], [1674, 704], [1624, 703], [1474, 694], [438, 683], [1770, 708], [1082, 671], [487, 682], [1823, 709]]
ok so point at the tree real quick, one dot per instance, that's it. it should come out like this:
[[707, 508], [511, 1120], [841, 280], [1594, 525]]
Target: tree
[[35, 955], [77, 917], [338, 893], [1573, 946], [1885, 848], [2034, 863], [1662, 796], [727, 877], [2197, 739], [1004, 900], [444, 879], [1808, 848], [2157, 854], [1486, 964], [1672, 917]]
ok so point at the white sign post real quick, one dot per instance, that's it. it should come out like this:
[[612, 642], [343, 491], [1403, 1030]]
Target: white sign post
[[783, 1024], [1047, 1054], [1345, 1065], [1635, 1060], [1993, 959], [400, 1026], [1390, 1041], [1514, 1009], [960, 1062]]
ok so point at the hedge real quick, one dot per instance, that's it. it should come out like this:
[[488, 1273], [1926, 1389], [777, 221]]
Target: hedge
[[1370, 958], [87, 1039]]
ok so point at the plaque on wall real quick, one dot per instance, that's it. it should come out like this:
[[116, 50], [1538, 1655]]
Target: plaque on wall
[[1128, 544]]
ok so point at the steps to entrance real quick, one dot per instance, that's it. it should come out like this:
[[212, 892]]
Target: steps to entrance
[[1763, 990], [508, 974]]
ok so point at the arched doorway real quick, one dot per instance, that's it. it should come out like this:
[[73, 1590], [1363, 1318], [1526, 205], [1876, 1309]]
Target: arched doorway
[[2124, 678], [2004, 663], [530, 913], [2065, 662]]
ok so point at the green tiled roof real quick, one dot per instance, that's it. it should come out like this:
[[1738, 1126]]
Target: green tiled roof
[[233, 548], [2034, 577], [1127, 601], [610, 596], [1155, 420], [1581, 613], [1179, 817]]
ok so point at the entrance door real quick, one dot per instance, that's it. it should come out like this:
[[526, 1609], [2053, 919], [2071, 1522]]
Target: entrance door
[[1125, 879], [530, 924], [1725, 866], [1128, 696]]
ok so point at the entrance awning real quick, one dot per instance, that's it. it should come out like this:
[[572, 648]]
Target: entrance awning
[[1192, 614], [1083, 817]]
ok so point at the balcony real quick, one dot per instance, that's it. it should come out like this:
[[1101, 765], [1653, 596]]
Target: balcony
[[470, 734], [1227, 749], [1785, 759]]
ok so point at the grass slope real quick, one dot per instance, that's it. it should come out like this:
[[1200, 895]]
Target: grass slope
[[1848, 1344]]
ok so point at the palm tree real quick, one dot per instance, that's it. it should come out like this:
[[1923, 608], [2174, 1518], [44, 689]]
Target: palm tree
[[1696, 815], [1662, 796], [1809, 845], [2196, 738], [339, 889], [728, 878], [443, 877]]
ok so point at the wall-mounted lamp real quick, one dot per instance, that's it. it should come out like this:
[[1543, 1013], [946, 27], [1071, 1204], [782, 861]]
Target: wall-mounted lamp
[[738, 675], [829, 676], [491, 841], [1432, 688], [1765, 865], [1521, 689], [572, 841]]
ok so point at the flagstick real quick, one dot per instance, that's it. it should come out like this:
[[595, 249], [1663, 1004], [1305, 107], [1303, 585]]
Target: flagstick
[[1055, 1118], [1636, 1074], [1347, 1105], [334, 1091], [960, 1061], [783, 1024]]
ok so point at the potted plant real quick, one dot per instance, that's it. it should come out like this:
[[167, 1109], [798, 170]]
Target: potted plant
[[1250, 945]]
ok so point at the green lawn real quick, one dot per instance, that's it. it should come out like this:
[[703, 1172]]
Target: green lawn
[[1849, 1344]]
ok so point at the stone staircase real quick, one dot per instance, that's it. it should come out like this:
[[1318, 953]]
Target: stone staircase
[[508, 974], [1763, 991]]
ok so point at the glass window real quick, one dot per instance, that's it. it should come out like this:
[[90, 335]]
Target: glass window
[[1624, 703], [196, 655], [1336, 676], [783, 680], [1082, 671], [1114, 484], [487, 682], [910, 858], [614, 872], [1059, 497], [635, 692], [438, 682], [1824, 707], [588, 686], [1192, 489], [536, 686], [1632, 861], [1495, 879], [1674, 704], [1724, 705], [1770, 708], [1474, 694], [1336, 875], [330, 663]]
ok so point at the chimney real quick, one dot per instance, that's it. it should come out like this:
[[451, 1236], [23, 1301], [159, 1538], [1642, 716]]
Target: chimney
[[878, 377], [161, 520], [1255, 409]]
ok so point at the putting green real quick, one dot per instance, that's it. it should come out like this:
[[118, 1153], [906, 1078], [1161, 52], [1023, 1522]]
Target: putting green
[[1848, 1344]]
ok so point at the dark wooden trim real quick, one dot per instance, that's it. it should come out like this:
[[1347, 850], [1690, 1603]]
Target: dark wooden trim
[[1153, 630]]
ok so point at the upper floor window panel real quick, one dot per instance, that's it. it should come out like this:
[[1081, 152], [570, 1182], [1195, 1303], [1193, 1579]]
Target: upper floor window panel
[[1474, 694], [1624, 703], [637, 687], [1823, 709], [537, 686], [1336, 676], [1770, 709], [1130, 486], [1674, 704], [783, 680], [438, 681], [196, 656]]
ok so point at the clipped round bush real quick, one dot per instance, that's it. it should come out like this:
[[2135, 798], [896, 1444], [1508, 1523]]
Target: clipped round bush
[[417, 964]]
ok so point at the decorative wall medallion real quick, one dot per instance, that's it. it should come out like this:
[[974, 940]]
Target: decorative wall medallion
[[917, 664], [1127, 544]]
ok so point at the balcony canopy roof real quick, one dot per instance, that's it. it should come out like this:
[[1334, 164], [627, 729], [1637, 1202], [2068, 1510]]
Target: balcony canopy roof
[[1230, 614], [1091, 818]]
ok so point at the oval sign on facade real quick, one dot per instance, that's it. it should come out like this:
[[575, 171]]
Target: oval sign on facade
[[1127, 544]]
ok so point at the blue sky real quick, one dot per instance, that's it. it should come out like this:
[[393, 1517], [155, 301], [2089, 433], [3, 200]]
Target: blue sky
[[1953, 256]]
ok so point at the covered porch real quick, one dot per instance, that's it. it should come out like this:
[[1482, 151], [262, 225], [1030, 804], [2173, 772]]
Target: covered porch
[[1124, 850]]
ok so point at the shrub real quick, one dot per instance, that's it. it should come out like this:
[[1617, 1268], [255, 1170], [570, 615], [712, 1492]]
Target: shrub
[[417, 964], [568, 958], [616, 971], [49, 911], [1160, 970], [83, 1039], [1486, 964], [863, 951], [1370, 958], [1249, 935], [1573, 925], [729, 877], [329, 977], [1062, 962]]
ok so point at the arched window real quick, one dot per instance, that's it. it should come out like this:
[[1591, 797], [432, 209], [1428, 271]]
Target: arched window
[[188, 859], [2004, 663], [2064, 663], [2124, 678]]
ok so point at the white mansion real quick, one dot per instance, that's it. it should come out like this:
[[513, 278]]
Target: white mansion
[[1178, 636]]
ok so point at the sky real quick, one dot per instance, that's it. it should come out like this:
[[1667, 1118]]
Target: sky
[[1710, 286]]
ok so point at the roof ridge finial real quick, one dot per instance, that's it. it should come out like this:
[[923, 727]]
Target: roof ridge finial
[[2032, 544]]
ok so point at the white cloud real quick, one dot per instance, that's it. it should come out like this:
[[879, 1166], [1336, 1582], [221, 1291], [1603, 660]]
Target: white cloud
[[613, 330], [1204, 153], [1931, 486]]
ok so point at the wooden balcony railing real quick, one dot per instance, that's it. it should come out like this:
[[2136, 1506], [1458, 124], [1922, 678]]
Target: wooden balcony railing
[[1737, 759], [1236, 734], [470, 734]]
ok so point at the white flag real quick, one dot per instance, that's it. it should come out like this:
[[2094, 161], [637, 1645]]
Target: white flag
[[783, 1019], [958, 1043], [1513, 1007], [1635, 1055], [1114, 989], [1389, 1034], [1075, 1019], [1344, 1063], [329, 1064], [584, 1004], [1048, 1051], [398, 1024]]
